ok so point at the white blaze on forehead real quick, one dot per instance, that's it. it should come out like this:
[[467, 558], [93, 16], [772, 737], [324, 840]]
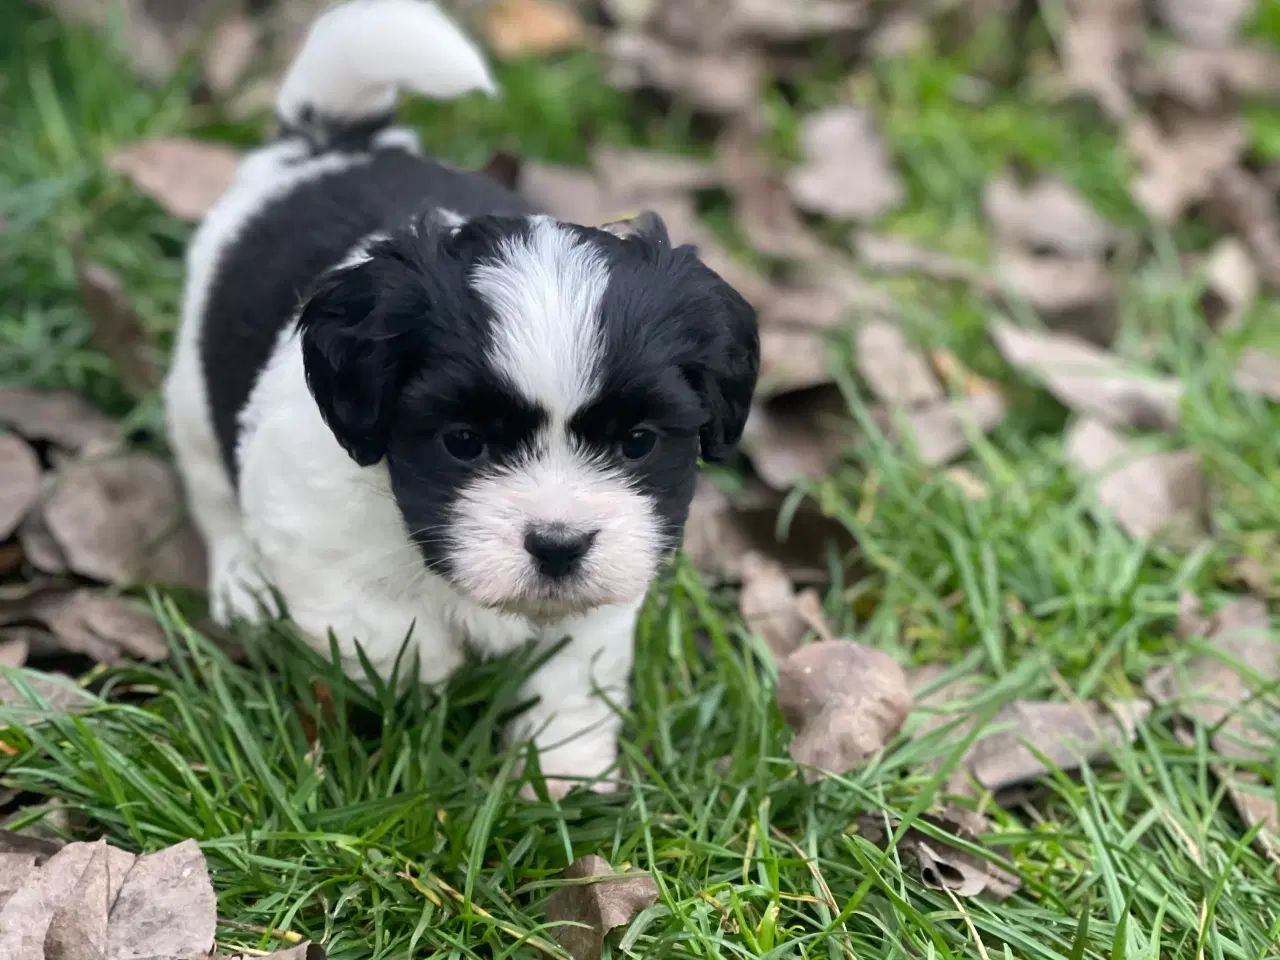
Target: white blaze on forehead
[[545, 291]]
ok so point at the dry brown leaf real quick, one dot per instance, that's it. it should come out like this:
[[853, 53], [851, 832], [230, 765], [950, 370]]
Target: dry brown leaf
[[847, 171], [1068, 293], [844, 700], [19, 482], [635, 175], [120, 519], [38, 545], [791, 359], [821, 295], [940, 432], [895, 370], [1047, 215], [1091, 380], [945, 866], [1211, 80], [765, 213], [59, 692], [153, 36], [1204, 23], [568, 193], [968, 483], [1148, 494], [1231, 283], [608, 903], [233, 44], [1099, 36], [533, 28], [60, 417], [1213, 690], [716, 24], [103, 627], [118, 331], [887, 254], [720, 531], [798, 435], [768, 604], [185, 177], [721, 83], [1181, 164], [1258, 371], [1249, 209], [1068, 735], [13, 652], [1255, 801]]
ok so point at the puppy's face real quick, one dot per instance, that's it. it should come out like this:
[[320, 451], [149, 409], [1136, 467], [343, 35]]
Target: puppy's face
[[540, 393]]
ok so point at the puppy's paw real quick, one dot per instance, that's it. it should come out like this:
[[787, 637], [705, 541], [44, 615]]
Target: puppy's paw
[[565, 769], [238, 591], [558, 788]]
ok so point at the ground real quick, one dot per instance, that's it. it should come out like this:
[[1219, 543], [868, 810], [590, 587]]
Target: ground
[[393, 829]]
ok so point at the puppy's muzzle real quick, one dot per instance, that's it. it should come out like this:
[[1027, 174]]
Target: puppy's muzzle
[[556, 550]]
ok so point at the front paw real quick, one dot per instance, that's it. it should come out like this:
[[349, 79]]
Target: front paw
[[565, 770]]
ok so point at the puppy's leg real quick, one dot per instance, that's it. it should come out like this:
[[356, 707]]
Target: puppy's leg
[[573, 723], [236, 589]]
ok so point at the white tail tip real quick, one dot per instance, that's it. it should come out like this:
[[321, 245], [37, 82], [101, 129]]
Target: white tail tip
[[359, 56]]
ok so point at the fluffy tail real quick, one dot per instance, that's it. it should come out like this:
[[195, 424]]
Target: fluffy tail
[[360, 55]]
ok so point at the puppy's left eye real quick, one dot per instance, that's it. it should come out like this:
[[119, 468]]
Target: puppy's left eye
[[463, 444], [638, 444]]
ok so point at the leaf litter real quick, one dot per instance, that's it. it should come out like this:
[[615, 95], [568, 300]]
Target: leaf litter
[[587, 911]]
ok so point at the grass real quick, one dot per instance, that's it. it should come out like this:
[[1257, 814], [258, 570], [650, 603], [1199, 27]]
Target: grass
[[390, 827]]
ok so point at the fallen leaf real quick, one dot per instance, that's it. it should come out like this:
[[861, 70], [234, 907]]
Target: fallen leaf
[[1068, 735], [120, 519], [844, 700], [533, 28], [597, 907], [233, 44], [821, 295], [1210, 80], [19, 482], [892, 255], [1248, 208], [185, 177], [1075, 294], [165, 907], [634, 175], [768, 604], [951, 371], [567, 193], [791, 359], [715, 24], [808, 606], [846, 169], [154, 37], [118, 331], [1204, 23], [1148, 494], [941, 431], [1213, 690], [1091, 380], [943, 865], [1181, 163], [1255, 801], [39, 547], [897, 373], [1047, 215], [1258, 371], [100, 626], [1231, 283], [798, 435], [59, 417], [721, 530], [722, 83], [1098, 37], [967, 482], [764, 210], [13, 652]]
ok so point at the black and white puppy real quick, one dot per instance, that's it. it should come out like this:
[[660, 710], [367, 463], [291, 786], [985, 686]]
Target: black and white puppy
[[415, 407]]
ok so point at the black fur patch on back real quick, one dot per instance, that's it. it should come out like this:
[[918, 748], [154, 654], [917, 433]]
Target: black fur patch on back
[[261, 277]]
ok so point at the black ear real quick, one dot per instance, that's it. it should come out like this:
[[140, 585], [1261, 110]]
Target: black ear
[[730, 363], [351, 361]]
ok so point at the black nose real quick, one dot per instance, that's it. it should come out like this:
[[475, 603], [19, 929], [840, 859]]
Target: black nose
[[557, 551]]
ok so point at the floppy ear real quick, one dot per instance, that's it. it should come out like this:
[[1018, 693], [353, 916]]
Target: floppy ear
[[351, 362], [729, 364]]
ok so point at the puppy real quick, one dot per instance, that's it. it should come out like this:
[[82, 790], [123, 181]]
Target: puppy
[[413, 407]]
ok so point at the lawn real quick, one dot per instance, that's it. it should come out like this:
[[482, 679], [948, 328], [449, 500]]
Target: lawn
[[389, 826]]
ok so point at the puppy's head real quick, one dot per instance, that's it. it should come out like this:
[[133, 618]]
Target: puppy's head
[[540, 393]]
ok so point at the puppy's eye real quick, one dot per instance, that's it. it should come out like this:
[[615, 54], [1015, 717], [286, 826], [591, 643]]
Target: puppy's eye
[[463, 444], [638, 444]]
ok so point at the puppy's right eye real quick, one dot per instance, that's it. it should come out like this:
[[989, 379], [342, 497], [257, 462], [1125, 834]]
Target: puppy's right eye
[[463, 444]]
